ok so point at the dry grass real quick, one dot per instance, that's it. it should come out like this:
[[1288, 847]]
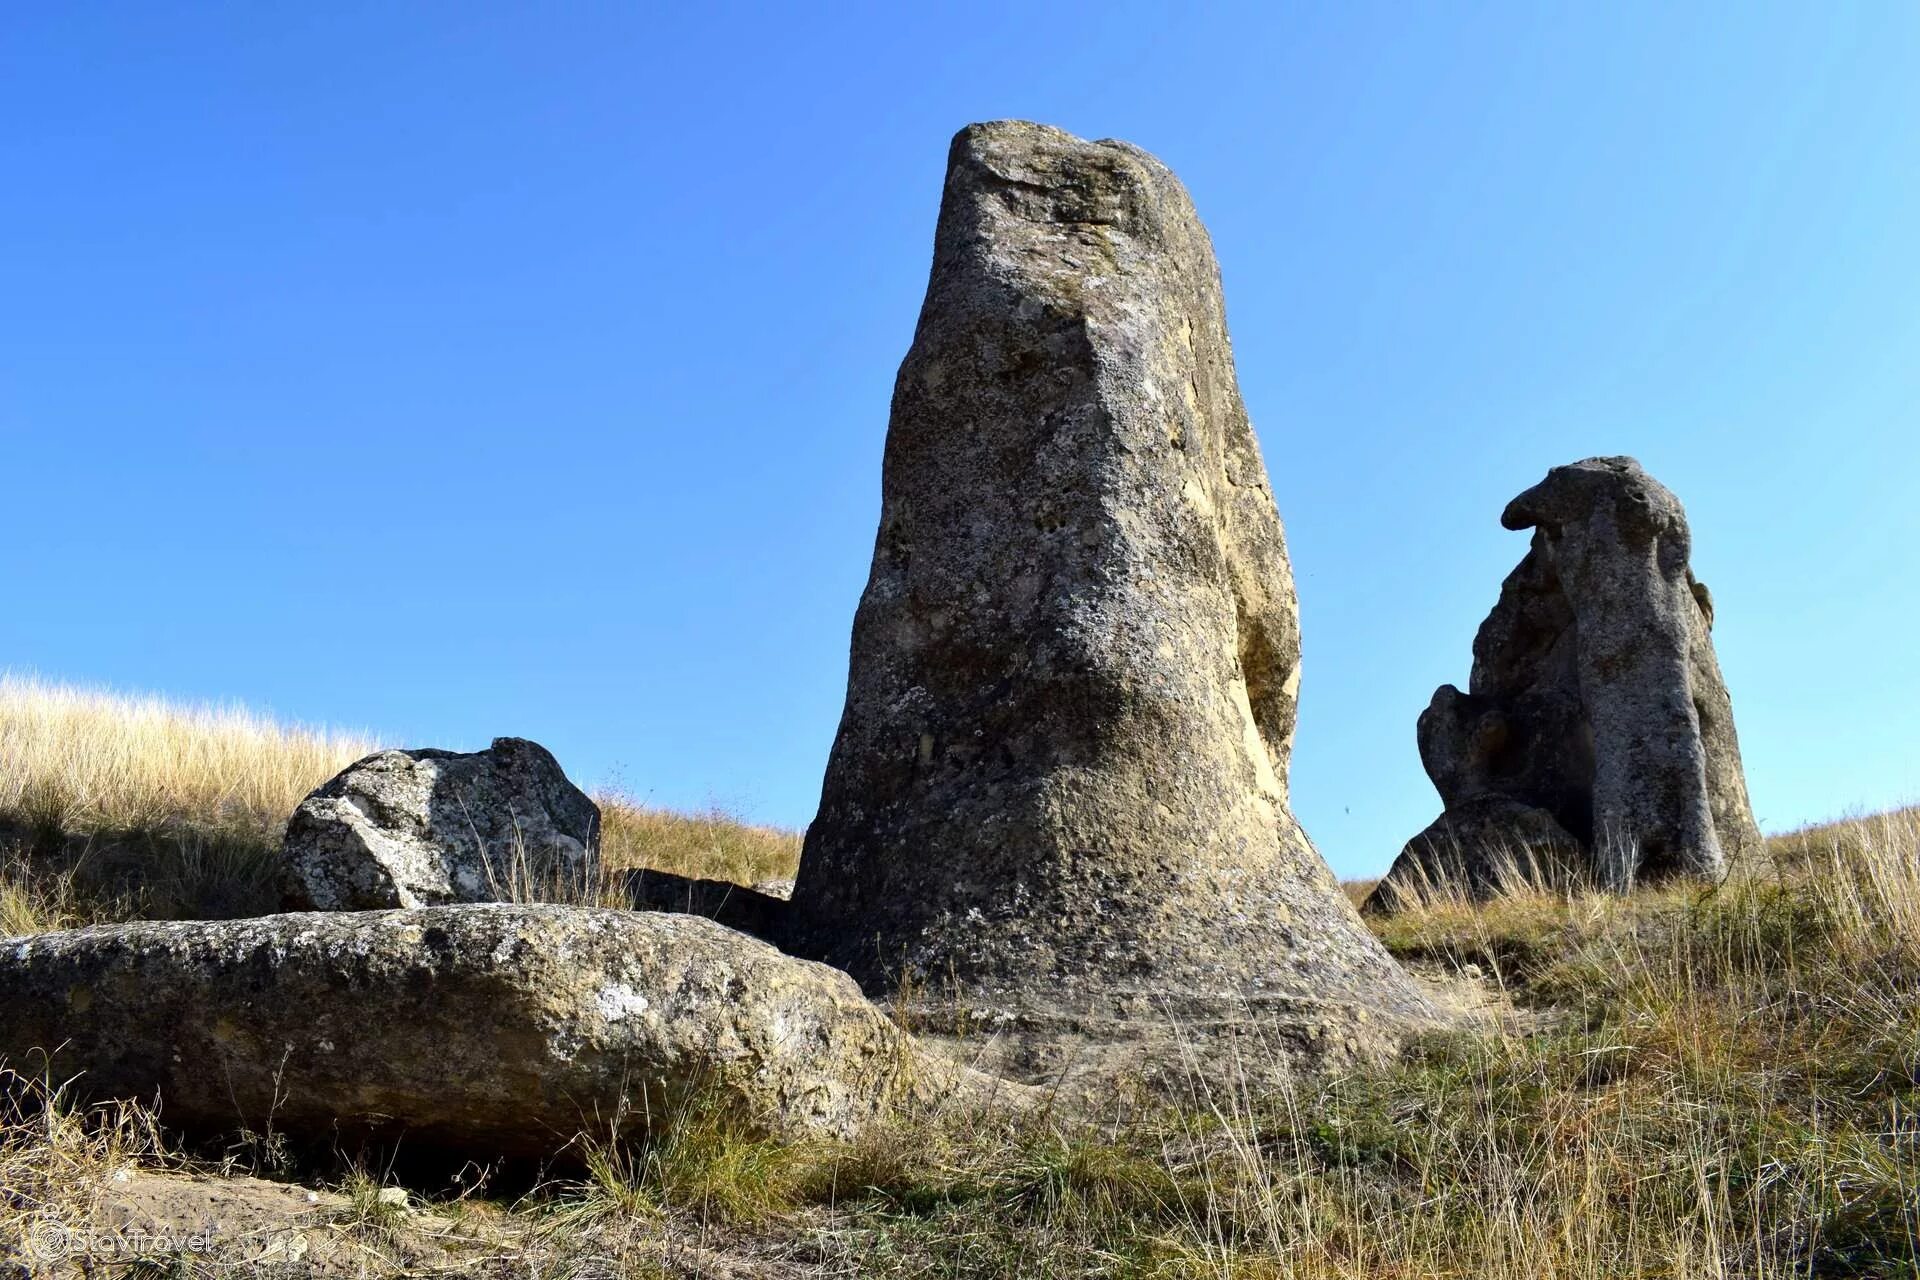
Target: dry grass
[[1725, 1084], [90, 763], [1694, 1083], [1688, 1083], [114, 806], [1454, 875], [710, 846], [56, 1158]]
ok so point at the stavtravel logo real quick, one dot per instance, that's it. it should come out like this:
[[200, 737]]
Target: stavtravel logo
[[54, 1242]]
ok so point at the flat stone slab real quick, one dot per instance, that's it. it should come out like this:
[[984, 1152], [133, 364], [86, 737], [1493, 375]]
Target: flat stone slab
[[494, 1029]]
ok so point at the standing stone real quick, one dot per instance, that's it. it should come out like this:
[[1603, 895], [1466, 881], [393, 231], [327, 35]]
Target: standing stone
[[426, 827], [1596, 718], [1059, 784]]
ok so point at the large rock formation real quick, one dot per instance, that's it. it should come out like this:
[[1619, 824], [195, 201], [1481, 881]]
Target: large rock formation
[[426, 827], [491, 1029], [1059, 784], [1597, 737]]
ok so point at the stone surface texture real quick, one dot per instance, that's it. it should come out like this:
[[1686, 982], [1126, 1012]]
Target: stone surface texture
[[496, 1029], [1595, 698], [1060, 780], [427, 827]]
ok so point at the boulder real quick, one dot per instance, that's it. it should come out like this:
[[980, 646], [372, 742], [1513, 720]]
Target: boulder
[[426, 827], [1059, 784], [494, 1029], [1595, 699]]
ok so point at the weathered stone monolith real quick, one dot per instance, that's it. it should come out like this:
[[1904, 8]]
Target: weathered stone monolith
[[1059, 787], [1597, 737]]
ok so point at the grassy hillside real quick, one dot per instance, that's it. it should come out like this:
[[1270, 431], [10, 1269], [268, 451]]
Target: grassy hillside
[[1683, 1083], [114, 807]]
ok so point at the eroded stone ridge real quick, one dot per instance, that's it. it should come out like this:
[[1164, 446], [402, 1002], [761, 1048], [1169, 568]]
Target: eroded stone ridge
[[1060, 777], [1597, 736]]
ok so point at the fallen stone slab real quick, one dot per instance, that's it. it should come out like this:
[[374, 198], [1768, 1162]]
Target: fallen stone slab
[[498, 1030]]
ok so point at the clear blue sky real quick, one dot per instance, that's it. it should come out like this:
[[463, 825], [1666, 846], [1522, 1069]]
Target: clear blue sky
[[455, 370]]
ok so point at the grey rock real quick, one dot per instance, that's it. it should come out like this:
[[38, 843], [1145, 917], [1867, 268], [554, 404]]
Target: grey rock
[[1059, 785], [749, 910], [1595, 695], [1483, 847], [426, 827], [495, 1029]]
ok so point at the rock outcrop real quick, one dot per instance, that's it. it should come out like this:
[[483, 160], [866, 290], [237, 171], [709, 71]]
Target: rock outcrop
[[1059, 782], [493, 1029], [427, 827], [1596, 719]]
